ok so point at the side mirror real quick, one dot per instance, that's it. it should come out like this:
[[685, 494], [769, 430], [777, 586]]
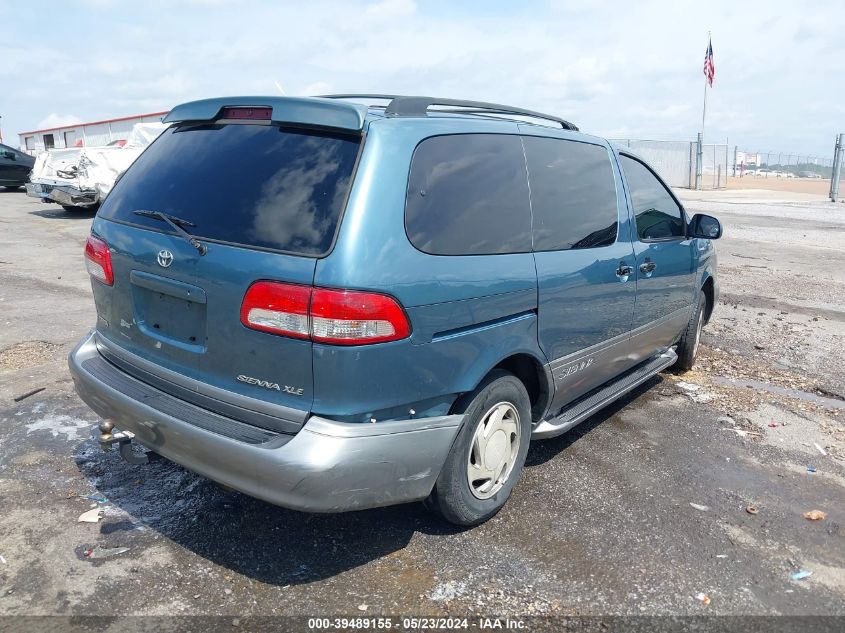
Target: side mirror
[[705, 227]]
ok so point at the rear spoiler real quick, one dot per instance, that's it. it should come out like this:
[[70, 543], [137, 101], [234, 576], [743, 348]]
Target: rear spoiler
[[311, 111]]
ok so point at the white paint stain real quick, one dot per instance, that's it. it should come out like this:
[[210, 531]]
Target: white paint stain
[[61, 425]]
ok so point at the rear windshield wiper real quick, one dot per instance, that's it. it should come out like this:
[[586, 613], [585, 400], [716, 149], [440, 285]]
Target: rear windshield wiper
[[174, 224]]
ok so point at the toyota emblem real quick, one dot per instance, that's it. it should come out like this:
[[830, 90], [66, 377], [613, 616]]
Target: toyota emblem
[[165, 258]]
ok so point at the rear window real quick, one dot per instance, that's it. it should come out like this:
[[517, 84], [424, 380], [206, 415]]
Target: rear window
[[468, 195], [573, 194], [254, 185]]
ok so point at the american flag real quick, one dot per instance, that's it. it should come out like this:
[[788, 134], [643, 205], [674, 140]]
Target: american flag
[[709, 68]]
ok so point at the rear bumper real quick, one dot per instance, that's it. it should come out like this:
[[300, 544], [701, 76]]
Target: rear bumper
[[63, 194], [37, 190], [327, 467], [73, 197]]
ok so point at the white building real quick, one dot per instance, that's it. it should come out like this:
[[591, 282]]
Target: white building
[[96, 133]]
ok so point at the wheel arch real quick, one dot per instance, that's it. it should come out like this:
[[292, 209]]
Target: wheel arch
[[708, 288], [534, 375]]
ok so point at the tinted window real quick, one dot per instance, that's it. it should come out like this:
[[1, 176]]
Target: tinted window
[[468, 195], [573, 195], [257, 185], [658, 215]]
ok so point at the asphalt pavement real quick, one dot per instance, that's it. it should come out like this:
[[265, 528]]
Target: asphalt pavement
[[685, 498]]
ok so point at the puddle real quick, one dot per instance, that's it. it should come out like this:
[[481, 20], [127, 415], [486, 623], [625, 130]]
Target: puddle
[[832, 403]]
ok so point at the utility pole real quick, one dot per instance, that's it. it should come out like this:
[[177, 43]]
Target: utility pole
[[837, 167]]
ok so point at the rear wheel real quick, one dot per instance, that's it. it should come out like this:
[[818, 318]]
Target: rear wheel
[[487, 457], [73, 209], [691, 338]]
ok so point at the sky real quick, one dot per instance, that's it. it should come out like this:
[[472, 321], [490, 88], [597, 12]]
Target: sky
[[616, 69]]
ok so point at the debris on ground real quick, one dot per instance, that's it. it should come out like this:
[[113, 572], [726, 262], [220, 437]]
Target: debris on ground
[[773, 425], [703, 598], [27, 354], [820, 449], [743, 432], [96, 498], [104, 552], [362, 607], [688, 386], [698, 506], [815, 515], [811, 469], [801, 574], [26, 395], [3, 559], [90, 516], [751, 509]]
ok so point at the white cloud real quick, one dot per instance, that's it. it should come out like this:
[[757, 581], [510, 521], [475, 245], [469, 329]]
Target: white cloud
[[607, 66], [58, 120], [386, 9], [316, 88]]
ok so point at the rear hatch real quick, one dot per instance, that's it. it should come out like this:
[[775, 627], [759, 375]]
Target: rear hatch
[[264, 201]]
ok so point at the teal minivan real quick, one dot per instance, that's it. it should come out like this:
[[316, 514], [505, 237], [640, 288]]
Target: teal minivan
[[361, 300]]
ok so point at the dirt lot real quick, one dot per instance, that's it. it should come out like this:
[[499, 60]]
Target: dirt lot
[[817, 186], [695, 484]]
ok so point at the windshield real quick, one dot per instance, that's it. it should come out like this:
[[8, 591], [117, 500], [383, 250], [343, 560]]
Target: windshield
[[254, 185]]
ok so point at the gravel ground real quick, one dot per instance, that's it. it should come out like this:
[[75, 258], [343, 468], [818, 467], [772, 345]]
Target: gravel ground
[[694, 484]]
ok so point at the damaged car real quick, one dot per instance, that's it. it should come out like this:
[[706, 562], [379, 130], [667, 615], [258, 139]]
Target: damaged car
[[79, 178]]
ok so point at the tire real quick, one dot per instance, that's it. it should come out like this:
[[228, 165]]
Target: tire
[[73, 209], [502, 401], [691, 338]]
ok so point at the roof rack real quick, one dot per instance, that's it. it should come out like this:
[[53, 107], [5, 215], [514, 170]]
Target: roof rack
[[418, 106]]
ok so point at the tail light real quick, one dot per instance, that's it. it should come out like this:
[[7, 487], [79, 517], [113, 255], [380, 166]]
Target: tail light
[[339, 317], [346, 317], [277, 308], [98, 260]]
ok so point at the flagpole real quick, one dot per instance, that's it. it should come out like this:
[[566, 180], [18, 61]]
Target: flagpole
[[699, 168], [704, 109]]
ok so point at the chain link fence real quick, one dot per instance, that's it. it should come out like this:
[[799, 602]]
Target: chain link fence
[[676, 161], [768, 164]]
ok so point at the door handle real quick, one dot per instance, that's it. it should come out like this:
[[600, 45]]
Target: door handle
[[647, 267], [624, 270]]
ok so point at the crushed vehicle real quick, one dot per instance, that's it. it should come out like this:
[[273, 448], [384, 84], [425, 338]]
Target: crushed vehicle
[[334, 305], [81, 177]]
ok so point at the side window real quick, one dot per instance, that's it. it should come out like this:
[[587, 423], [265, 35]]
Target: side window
[[468, 195], [658, 215], [573, 194]]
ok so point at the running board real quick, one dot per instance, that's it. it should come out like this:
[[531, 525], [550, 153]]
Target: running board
[[588, 405]]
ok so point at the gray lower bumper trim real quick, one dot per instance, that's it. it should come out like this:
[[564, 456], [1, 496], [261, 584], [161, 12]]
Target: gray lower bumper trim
[[73, 197], [327, 467], [36, 190], [109, 375]]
